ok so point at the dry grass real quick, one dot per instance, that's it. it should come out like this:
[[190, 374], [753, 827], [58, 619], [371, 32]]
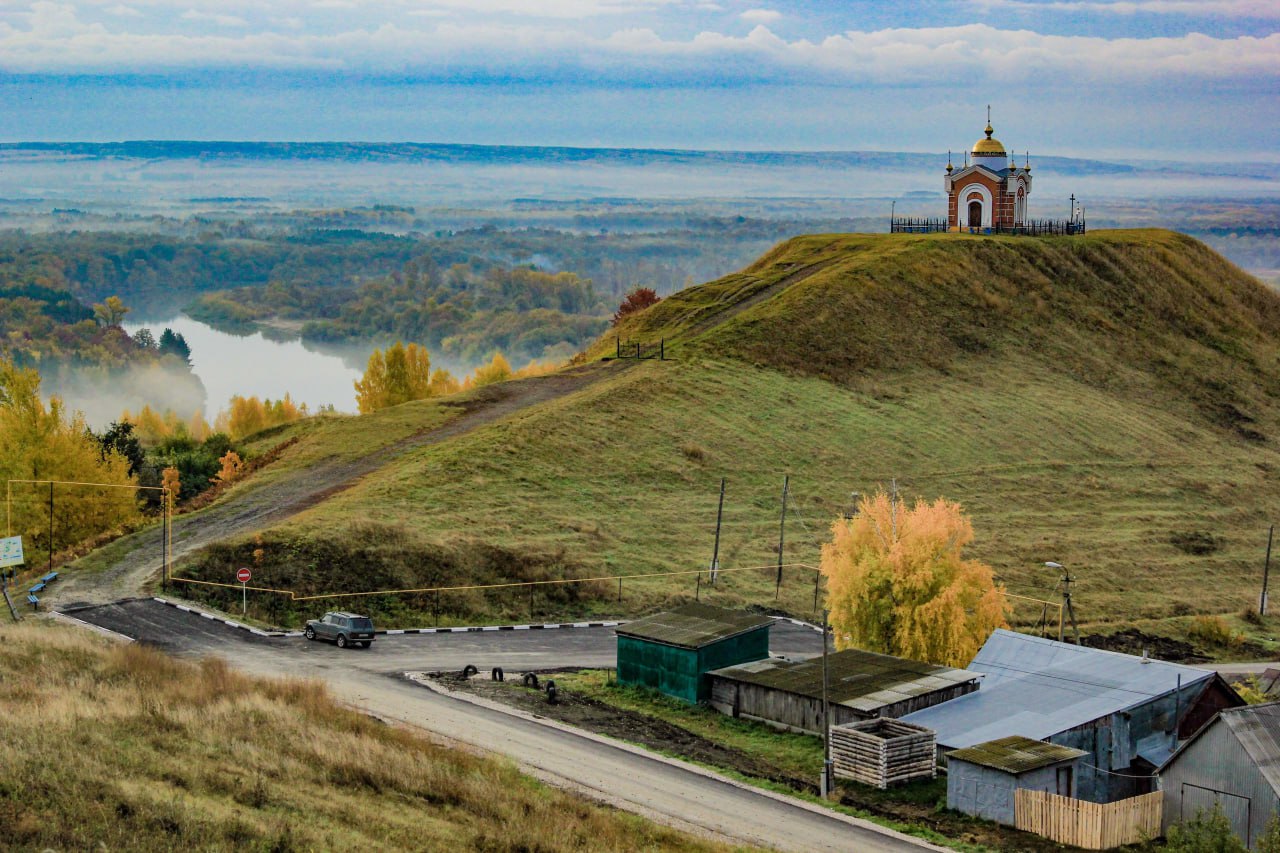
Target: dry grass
[[121, 747]]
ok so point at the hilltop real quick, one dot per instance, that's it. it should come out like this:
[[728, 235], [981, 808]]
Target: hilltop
[[1106, 401]]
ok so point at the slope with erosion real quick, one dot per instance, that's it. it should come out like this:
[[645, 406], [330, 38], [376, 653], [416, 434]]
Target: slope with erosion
[[1100, 401]]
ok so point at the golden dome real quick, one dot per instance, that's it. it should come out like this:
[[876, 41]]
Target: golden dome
[[988, 147]]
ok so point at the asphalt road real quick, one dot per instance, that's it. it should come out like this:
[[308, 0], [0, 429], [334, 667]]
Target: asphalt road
[[373, 680]]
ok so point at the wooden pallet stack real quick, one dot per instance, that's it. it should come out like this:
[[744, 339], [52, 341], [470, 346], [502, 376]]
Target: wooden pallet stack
[[883, 752]]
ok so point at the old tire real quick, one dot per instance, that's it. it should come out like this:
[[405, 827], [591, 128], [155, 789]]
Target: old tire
[[469, 670], [496, 674], [310, 633], [530, 680], [342, 641]]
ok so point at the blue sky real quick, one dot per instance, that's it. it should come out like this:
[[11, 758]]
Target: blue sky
[[1102, 78]]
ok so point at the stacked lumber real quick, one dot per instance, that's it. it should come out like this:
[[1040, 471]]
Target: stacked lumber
[[883, 752]]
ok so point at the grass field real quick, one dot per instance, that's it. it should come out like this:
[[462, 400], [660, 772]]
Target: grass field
[[1106, 402], [119, 747]]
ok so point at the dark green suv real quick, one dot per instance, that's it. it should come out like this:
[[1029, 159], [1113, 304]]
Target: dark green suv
[[345, 629]]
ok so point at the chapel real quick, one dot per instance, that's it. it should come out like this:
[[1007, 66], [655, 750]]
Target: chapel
[[990, 190]]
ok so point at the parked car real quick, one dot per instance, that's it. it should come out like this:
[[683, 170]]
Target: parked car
[[342, 628]]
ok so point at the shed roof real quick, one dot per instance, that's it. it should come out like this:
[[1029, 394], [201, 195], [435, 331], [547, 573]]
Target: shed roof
[[1016, 754], [858, 679], [694, 625], [1039, 688], [1257, 727]]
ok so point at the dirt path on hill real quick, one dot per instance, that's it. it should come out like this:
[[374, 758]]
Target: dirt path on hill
[[137, 558], [734, 306]]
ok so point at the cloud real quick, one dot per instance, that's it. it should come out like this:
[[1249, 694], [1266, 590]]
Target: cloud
[[55, 40], [1262, 9], [214, 18], [122, 11], [760, 16]]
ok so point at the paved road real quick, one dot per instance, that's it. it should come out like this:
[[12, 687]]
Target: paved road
[[373, 679]]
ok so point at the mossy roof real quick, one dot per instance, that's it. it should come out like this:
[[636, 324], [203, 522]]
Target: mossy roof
[[1015, 754], [694, 625], [859, 679]]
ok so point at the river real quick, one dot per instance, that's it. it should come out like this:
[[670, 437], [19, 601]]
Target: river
[[253, 365]]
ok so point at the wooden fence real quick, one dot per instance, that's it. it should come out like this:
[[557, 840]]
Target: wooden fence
[[1093, 826]]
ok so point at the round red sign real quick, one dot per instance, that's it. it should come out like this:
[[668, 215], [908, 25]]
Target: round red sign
[[243, 575]]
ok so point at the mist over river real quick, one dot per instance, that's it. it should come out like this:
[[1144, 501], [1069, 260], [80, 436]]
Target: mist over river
[[253, 365]]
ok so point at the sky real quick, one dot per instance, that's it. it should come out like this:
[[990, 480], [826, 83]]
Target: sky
[[1152, 79]]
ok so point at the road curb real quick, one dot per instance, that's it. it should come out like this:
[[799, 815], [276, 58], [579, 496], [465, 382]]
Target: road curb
[[421, 679], [97, 629], [464, 629]]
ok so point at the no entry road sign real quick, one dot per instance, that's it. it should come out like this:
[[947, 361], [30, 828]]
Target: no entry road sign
[[244, 575]]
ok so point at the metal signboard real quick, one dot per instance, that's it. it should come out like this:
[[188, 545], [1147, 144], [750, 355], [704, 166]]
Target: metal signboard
[[11, 551]]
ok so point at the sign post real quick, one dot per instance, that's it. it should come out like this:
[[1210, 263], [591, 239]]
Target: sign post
[[244, 576]]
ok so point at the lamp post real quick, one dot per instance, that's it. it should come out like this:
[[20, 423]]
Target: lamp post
[[1067, 609], [824, 786]]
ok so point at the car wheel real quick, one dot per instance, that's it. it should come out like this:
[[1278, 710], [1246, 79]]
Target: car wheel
[[342, 641], [310, 633]]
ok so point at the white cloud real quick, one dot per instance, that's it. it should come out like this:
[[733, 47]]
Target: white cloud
[[1263, 9], [760, 16], [122, 11], [55, 39], [214, 18]]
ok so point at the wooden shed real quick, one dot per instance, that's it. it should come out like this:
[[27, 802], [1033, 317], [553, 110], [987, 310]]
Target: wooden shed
[[673, 651], [882, 752], [861, 685], [982, 779]]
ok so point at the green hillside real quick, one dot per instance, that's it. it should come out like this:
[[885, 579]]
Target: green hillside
[[1108, 402]]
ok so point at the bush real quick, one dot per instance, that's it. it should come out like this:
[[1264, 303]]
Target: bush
[[1207, 832], [1213, 631]]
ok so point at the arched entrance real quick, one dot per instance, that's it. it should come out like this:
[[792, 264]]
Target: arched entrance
[[975, 213]]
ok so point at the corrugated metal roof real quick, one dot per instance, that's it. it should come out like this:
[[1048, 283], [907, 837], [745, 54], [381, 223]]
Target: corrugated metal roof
[[855, 678], [693, 625], [1257, 727], [1038, 688], [1016, 754]]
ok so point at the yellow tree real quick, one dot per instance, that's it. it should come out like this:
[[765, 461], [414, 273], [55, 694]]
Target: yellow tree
[[898, 583], [397, 376], [497, 370], [232, 467], [111, 311], [44, 442], [170, 480]]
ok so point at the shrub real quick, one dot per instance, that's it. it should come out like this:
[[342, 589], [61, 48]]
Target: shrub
[[1213, 631]]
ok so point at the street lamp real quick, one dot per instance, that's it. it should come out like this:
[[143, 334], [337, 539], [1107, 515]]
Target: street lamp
[[1066, 609]]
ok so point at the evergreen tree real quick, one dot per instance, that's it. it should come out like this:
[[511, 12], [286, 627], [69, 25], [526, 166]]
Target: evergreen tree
[[172, 343]]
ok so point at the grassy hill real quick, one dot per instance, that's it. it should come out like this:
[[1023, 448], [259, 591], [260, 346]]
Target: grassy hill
[[120, 747], [1108, 402]]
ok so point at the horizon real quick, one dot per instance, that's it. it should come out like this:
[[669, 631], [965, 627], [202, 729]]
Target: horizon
[[1102, 79]]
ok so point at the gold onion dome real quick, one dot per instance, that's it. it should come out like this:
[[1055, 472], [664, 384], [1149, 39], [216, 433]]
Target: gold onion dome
[[988, 147]]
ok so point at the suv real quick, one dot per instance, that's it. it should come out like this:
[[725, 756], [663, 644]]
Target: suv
[[343, 628]]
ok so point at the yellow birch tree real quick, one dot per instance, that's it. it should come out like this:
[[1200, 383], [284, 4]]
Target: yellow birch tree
[[898, 583]]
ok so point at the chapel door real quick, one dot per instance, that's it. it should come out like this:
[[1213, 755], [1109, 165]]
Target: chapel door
[[975, 214]]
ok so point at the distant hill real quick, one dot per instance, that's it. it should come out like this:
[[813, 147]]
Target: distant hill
[[1108, 402]]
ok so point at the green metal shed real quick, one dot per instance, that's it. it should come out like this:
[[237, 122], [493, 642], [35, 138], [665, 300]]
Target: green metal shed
[[673, 651]]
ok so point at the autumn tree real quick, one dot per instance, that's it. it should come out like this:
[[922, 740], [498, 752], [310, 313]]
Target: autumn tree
[[110, 312], [637, 300], [40, 441], [898, 583], [170, 479], [398, 375], [497, 370], [232, 467]]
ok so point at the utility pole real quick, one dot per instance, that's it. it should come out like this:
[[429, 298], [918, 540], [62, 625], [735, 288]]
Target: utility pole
[[1067, 611], [825, 783], [1266, 571], [51, 525], [782, 529], [715, 555]]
